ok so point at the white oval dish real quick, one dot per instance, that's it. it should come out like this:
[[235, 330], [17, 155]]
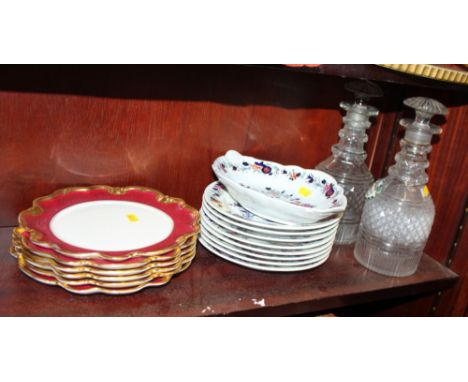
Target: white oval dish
[[286, 194]]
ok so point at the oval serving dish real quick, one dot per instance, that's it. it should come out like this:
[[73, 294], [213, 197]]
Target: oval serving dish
[[286, 194]]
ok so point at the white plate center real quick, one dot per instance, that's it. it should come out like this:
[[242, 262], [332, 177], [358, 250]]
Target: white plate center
[[111, 225]]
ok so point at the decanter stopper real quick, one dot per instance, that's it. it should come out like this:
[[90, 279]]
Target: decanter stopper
[[347, 164], [419, 131], [358, 114]]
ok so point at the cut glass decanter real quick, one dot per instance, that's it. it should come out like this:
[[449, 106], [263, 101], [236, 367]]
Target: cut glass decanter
[[347, 163], [399, 211]]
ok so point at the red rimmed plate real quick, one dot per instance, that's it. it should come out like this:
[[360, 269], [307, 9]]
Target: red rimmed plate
[[131, 263], [91, 289], [107, 223], [81, 273]]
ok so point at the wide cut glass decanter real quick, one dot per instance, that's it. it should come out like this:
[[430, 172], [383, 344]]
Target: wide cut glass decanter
[[347, 164], [399, 211]]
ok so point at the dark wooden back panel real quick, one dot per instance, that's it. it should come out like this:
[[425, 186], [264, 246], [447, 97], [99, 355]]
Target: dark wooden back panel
[[162, 126], [155, 126]]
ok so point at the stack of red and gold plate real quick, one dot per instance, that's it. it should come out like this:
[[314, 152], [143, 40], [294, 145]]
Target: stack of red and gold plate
[[100, 239]]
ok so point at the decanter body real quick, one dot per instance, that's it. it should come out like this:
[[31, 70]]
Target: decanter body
[[347, 164], [399, 211]]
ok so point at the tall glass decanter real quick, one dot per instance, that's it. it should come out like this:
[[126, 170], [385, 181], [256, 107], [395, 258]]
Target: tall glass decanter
[[399, 211], [347, 164]]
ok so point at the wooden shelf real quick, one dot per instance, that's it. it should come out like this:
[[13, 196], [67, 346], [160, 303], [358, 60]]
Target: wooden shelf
[[212, 286], [374, 73]]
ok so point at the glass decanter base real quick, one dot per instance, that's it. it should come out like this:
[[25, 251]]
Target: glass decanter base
[[347, 233], [385, 258]]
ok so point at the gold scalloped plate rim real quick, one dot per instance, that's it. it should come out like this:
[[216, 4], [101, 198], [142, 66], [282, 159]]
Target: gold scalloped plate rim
[[15, 249], [104, 284], [95, 290], [19, 241], [36, 209], [153, 271], [430, 71]]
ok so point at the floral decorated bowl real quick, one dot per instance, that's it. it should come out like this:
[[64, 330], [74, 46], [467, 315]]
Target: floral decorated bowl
[[286, 194]]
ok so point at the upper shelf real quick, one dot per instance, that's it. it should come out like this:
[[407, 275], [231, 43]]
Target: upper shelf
[[455, 73], [413, 75]]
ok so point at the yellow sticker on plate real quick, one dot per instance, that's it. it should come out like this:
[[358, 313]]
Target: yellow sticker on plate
[[304, 191], [132, 217], [425, 191]]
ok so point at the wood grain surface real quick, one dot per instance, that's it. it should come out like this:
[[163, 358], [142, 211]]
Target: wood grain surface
[[212, 286], [158, 126]]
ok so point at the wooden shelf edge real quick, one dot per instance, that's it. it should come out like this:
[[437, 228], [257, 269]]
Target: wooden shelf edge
[[341, 301], [213, 287], [372, 72]]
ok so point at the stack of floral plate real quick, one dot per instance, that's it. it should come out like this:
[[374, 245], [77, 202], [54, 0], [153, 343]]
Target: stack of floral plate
[[105, 240], [237, 235]]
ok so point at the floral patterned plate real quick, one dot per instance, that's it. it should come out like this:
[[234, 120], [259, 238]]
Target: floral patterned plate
[[286, 249], [260, 257], [252, 264], [286, 194], [217, 197], [262, 253], [264, 234]]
